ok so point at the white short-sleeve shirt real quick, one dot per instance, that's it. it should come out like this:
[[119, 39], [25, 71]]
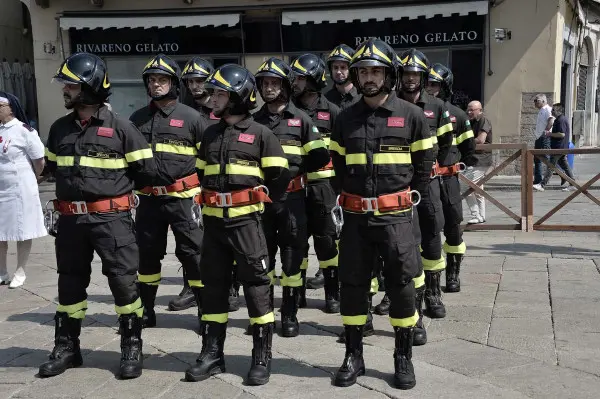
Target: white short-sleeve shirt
[[542, 120]]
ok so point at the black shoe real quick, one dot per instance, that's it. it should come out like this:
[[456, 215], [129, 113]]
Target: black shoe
[[66, 353], [289, 322], [353, 364], [234, 297], [420, 334], [332, 290], [452, 272], [132, 359], [262, 338], [148, 296], [367, 329], [185, 299], [317, 282], [433, 296], [384, 307], [302, 291], [404, 372], [211, 360]]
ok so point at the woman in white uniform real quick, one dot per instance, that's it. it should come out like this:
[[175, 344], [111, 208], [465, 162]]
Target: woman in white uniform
[[21, 218]]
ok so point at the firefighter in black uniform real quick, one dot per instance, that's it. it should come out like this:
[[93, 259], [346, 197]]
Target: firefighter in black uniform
[[306, 152], [173, 131], [97, 159], [343, 93], [309, 81], [241, 166], [461, 149], [382, 154]]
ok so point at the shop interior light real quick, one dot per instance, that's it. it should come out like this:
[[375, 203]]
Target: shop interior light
[[97, 3], [502, 34], [188, 1]]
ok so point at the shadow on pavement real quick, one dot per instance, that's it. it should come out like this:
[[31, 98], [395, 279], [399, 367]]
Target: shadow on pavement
[[522, 249]]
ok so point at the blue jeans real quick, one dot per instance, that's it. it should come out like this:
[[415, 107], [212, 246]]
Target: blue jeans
[[540, 144]]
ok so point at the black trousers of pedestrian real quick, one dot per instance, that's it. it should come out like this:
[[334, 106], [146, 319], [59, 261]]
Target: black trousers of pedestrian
[[359, 247], [431, 220], [114, 242], [320, 201], [561, 160], [541, 143], [286, 228], [154, 215], [453, 214], [244, 243]]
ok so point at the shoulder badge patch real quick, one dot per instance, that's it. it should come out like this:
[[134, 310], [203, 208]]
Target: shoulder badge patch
[[26, 126], [429, 114]]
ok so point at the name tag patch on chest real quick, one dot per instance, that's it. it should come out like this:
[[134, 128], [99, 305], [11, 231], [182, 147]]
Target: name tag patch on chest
[[102, 155], [294, 122], [429, 114], [243, 162], [394, 148], [394, 121], [323, 116], [105, 131], [452, 118], [246, 138], [294, 143], [176, 123]]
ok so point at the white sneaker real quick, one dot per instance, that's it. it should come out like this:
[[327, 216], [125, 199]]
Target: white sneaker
[[4, 279], [569, 188], [538, 187], [17, 280], [476, 220]]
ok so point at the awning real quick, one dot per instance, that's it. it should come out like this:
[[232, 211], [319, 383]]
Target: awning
[[382, 13], [94, 22]]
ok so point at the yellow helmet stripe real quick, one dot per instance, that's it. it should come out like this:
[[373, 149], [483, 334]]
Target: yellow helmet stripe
[[106, 83], [345, 54], [252, 96], [359, 52], [434, 73], [149, 63], [275, 67], [300, 67], [199, 68], [217, 76], [381, 54], [66, 71], [164, 64], [418, 61]]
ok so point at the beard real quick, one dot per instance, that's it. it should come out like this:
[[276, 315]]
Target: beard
[[408, 89], [200, 94], [340, 81], [71, 102], [370, 90]]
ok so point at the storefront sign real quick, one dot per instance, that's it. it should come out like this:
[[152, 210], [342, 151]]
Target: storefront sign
[[430, 38]]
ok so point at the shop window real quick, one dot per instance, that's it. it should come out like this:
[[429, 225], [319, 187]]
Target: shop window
[[467, 67], [582, 87]]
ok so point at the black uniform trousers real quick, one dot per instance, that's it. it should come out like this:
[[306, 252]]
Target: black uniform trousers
[[359, 247], [285, 227], [245, 243], [431, 220], [114, 241], [154, 215], [453, 215], [320, 200]]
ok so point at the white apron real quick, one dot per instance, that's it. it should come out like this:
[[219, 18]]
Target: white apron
[[21, 215]]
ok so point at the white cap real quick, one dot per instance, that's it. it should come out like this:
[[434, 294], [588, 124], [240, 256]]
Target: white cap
[[4, 100]]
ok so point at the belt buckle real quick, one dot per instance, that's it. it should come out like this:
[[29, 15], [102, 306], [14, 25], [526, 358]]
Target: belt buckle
[[223, 200], [369, 204], [159, 190], [80, 207]]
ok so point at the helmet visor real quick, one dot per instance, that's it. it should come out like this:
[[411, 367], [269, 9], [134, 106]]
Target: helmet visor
[[369, 63], [64, 81]]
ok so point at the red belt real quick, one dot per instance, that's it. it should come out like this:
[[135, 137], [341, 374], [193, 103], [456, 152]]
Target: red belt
[[298, 183], [182, 184], [235, 198], [329, 166], [117, 204], [451, 170], [384, 203]]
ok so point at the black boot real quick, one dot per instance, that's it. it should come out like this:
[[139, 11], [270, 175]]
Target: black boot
[[420, 334], [404, 372], [289, 322], [302, 291], [433, 296], [234, 297], [148, 296], [262, 338], [384, 306], [66, 352], [211, 360], [185, 299], [197, 291], [132, 359], [332, 290], [316, 282], [452, 272], [354, 364]]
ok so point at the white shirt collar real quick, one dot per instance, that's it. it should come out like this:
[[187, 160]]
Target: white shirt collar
[[12, 123]]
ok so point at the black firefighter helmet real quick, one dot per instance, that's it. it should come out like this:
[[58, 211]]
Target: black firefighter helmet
[[374, 52], [313, 68], [443, 75], [90, 72], [276, 68], [197, 68], [239, 82], [412, 60], [162, 65], [342, 53]]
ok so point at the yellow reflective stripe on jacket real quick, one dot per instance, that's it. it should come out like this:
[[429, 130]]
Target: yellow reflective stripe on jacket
[[65, 160], [175, 149], [293, 150], [335, 146], [312, 145], [212, 169], [321, 174], [234, 211], [200, 164], [434, 140], [198, 145], [50, 155], [233, 169], [465, 136], [139, 154], [280, 162], [384, 158], [444, 129], [356, 159], [327, 141], [103, 163], [421, 145]]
